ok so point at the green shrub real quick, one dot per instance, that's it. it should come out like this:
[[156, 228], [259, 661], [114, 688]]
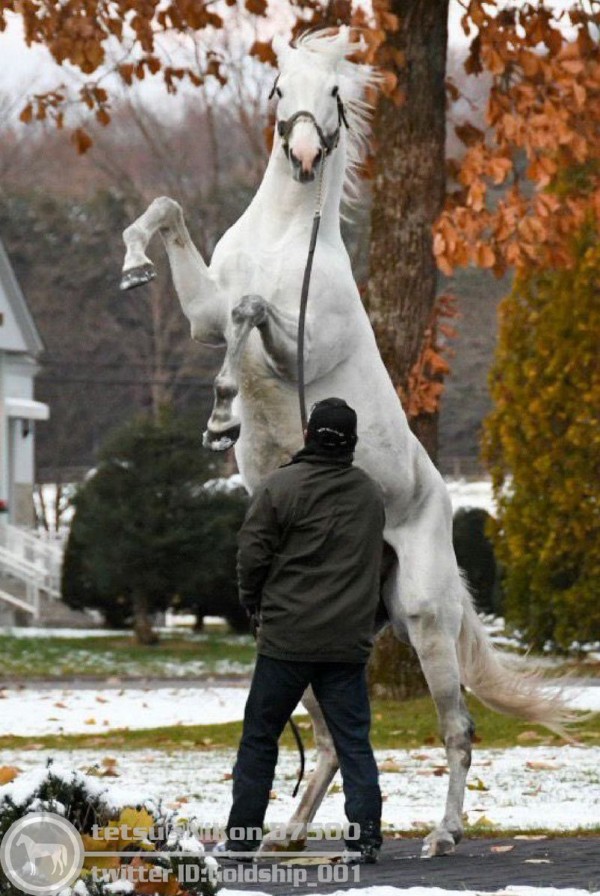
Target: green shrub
[[542, 445], [475, 556], [147, 534]]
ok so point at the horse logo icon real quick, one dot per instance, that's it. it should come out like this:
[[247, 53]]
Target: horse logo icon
[[41, 853]]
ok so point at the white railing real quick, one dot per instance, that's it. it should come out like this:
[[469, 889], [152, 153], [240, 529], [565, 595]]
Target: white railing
[[33, 563]]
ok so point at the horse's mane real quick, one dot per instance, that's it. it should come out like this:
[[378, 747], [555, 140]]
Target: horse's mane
[[332, 46]]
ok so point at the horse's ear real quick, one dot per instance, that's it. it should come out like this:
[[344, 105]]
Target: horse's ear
[[281, 48], [342, 41]]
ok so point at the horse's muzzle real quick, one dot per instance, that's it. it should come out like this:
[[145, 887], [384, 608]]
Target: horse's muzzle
[[300, 174]]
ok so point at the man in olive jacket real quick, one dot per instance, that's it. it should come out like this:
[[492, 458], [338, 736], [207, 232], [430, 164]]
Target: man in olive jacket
[[309, 562]]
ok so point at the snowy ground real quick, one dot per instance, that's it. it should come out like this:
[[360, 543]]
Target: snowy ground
[[437, 891], [555, 788], [471, 494], [82, 710]]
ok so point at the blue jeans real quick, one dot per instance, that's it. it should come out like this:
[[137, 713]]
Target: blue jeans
[[276, 689]]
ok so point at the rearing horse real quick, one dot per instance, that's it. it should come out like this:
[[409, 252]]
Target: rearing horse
[[249, 297]]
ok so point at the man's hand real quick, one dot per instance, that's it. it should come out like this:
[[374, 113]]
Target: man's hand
[[254, 619]]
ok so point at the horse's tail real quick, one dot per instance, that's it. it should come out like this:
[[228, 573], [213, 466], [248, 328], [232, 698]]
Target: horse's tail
[[521, 692]]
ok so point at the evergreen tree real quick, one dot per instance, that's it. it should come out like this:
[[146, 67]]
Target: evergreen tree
[[542, 444], [146, 534]]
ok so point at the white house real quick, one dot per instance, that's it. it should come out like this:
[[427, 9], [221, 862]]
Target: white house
[[20, 346]]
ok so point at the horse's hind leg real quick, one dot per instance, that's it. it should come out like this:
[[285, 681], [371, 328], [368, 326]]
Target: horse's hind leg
[[437, 654], [223, 427], [424, 602], [295, 833]]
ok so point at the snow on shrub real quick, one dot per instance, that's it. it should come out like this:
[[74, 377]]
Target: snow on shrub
[[147, 830]]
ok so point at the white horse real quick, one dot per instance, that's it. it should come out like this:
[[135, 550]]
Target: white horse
[[249, 298]]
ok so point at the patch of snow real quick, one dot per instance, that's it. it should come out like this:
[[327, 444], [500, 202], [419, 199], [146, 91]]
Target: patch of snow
[[31, 711], [522, 788], [225, 484], [464, 494], [81, 710]]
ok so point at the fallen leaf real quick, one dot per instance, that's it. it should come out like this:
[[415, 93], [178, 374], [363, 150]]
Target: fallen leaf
[[109, 760], [502, 847], [529, 735], [90, 721], [537, 862], [530, 837], [8, 773], [540, 765], [60, 705], [477, 785], [100, 699], [390, 765], [131, 818]]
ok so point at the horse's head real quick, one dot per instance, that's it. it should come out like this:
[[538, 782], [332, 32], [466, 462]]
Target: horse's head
[[310, 107]]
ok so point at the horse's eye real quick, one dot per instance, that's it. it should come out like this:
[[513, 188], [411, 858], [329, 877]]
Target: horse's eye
[[335, 90], [278, 92]]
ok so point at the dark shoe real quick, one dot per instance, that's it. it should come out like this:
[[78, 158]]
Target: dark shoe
[[368, 855], [365, 850]]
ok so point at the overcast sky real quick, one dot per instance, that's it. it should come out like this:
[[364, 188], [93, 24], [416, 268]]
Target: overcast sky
[[25, 69]]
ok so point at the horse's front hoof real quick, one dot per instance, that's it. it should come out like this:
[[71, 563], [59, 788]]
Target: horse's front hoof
[[137, 276], [221, 441]]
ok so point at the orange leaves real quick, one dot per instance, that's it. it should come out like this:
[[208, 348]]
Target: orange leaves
[[476, 195], [543, 115], [498, 168], [82, 140], [264, 51], [541, 170], [8, 773], [425, 382], [77, 31], [484, 256], [257, 7], [27, 114], [468, 133]]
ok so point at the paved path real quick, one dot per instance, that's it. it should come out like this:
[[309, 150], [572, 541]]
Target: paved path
[[559, 862]]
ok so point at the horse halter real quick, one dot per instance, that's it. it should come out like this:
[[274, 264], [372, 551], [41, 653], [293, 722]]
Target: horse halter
[[328, 141]]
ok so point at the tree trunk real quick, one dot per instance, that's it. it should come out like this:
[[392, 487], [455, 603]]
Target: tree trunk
[[142, 624], [408, 195], [408, 191]]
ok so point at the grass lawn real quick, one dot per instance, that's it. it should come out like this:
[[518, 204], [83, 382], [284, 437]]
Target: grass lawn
[[175, 656], [410, 724]]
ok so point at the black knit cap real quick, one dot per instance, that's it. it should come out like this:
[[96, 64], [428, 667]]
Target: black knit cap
[[332, 425]]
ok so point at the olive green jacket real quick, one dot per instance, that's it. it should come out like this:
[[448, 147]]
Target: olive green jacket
[[309, 558]]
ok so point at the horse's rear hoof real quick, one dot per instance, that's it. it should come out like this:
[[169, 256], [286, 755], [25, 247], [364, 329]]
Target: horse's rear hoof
[[137, 276], [221, 441]]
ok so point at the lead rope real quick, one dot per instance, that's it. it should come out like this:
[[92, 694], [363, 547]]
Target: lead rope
[[301, 385], [304, 293]]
